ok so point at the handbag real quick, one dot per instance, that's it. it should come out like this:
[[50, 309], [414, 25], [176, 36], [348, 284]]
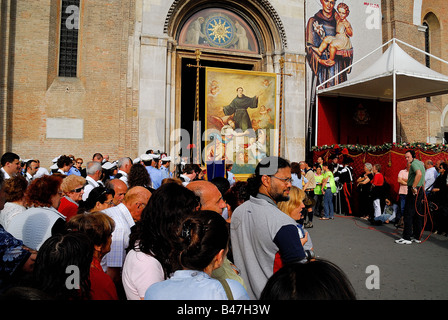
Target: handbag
[[226, 288]]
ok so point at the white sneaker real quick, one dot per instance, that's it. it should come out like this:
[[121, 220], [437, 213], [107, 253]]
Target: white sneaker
[[403, 241], [415, 240]]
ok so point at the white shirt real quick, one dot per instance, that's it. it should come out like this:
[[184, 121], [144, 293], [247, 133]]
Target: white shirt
[[41, 172], [187, 180], [33, 226], [8, 212], [140, 271], [5, 174], [430, 178], [91, 183], [28, 177], [120, 237], [124, 176]]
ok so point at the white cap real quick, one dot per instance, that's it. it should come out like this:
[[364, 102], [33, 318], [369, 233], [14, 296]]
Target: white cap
[[107, 165], [166, 159], [56, 159], [146, 157], [54, 167], [136, 160]]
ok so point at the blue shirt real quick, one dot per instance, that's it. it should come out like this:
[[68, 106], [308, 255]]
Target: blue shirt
[[194, 285], [156, 176], [298, 182], [74, 171]]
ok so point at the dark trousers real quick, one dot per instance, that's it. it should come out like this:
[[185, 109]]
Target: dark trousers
[[413, 214], [310, 214]]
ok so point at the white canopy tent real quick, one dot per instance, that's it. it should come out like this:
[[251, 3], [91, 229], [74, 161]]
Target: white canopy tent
[[395, 76]]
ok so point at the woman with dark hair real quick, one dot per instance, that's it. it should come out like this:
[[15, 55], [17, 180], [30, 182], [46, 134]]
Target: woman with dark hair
[[439, 195], [14, 191], [98, 227], [42, 219], [99, 198], [139, 176], [203, 239], [235, 196], [298, 179], [323, 281], [364, 185], [150, 256], [63, 266]]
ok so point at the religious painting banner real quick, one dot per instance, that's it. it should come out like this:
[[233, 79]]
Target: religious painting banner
[[240, 117]]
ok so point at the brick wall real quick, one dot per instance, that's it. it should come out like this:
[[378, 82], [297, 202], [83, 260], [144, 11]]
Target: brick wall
[[98, 95], [418, 120]]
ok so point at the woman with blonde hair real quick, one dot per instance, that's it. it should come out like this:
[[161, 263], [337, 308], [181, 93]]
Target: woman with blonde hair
[[73, 189], [293, 208]]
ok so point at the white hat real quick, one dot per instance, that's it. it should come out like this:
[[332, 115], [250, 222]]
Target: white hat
[[56, 159], [146, 157], [136, 160], [107, 165], [54, 167], [166, 159]]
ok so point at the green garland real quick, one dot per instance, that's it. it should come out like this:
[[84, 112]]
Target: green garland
[[384, 147]]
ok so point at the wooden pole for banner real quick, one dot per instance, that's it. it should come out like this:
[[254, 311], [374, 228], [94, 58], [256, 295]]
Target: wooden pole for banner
[[282, 66], [197, 140]]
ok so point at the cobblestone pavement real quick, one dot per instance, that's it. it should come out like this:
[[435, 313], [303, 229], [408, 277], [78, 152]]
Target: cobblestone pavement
[[406, 272]]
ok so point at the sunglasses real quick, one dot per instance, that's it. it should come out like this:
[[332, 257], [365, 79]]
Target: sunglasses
[[77, 190]]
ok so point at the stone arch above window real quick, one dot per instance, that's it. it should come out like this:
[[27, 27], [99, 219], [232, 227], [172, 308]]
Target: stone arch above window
[[218, 28]]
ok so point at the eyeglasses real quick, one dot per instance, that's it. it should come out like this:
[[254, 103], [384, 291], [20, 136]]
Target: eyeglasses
[[79, 162], [77, 190], [285, 180]]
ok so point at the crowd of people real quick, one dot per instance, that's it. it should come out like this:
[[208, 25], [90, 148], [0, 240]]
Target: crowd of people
[[139, 229], [136, 230], [422, 199]]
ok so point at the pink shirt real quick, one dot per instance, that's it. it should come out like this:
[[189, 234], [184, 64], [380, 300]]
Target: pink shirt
[[403, 174], [140, 270]]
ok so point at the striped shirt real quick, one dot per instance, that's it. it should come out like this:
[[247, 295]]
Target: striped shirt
[[120, 237]]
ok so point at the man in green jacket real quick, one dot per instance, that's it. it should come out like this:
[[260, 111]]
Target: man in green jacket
[[414, 209]]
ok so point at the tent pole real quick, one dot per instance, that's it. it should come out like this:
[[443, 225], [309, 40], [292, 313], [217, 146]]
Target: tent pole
[[317, 120], [394, 107], [421, 51]]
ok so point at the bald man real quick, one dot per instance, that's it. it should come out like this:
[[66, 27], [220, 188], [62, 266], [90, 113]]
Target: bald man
[[125, 215], [211, 197], [120, 189]]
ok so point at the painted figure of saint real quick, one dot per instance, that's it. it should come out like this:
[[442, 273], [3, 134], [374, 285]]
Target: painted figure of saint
[[238, 107]]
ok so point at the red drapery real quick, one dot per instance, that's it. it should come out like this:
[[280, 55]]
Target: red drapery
[[354, 121]]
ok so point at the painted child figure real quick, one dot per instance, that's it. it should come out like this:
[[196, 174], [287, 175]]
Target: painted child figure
[[341, 41]]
